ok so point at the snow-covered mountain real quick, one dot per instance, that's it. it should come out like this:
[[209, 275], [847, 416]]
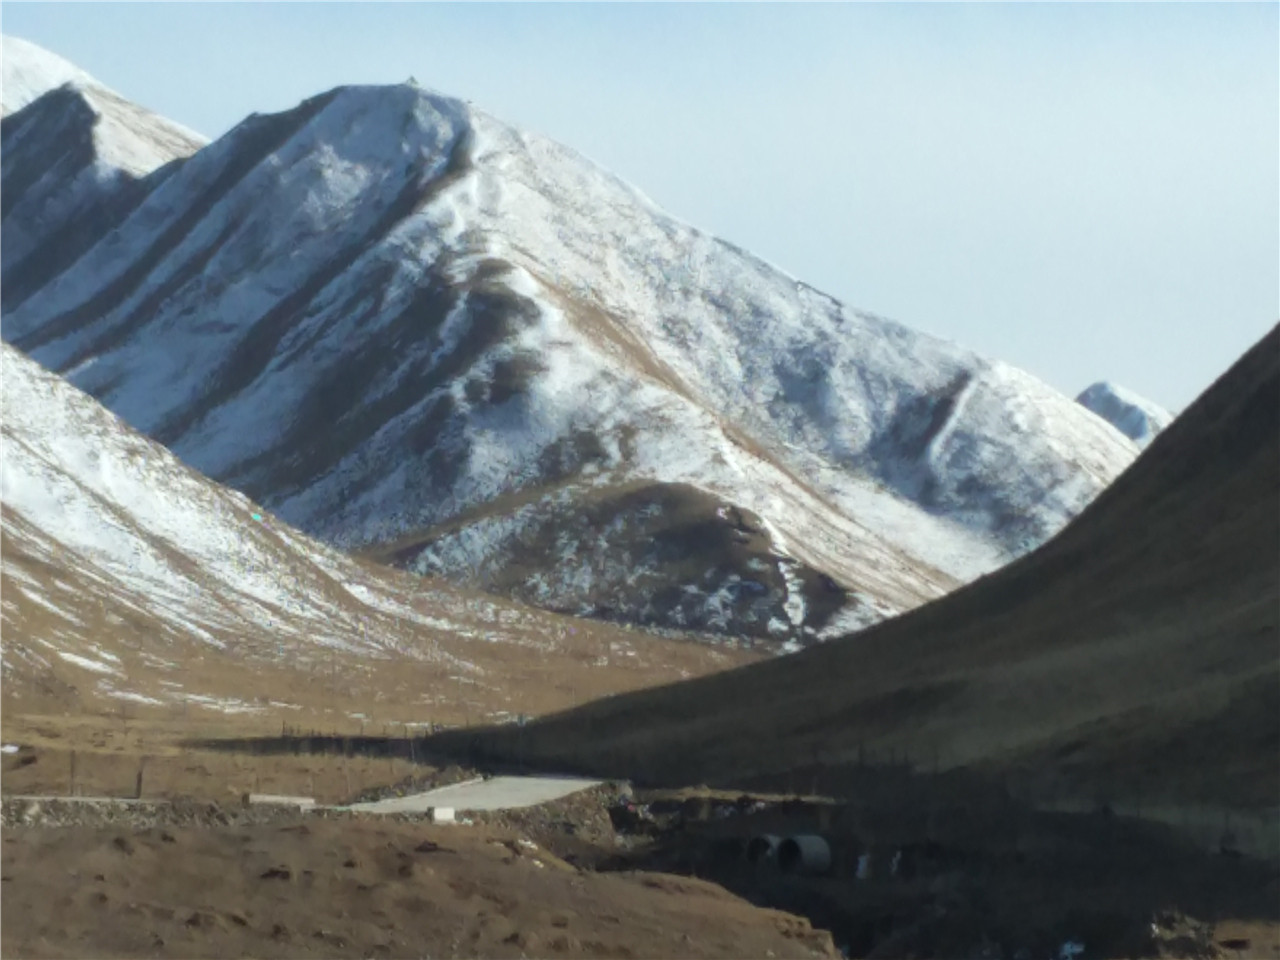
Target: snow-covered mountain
[[127, 136], [128, 575], [89, 157], [1136, 417], [28, 72], [409, 328]]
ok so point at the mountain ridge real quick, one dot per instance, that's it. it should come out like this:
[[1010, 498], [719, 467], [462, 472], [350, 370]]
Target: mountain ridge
[[383, 310], [89, 158]]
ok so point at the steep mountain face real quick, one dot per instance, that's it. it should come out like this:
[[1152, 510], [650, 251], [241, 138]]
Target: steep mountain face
[[1136, 417], [127, 576], [410, 329], [88, 157], [1132, 656]]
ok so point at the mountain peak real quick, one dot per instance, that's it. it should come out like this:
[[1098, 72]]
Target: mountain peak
[[30, 71], [125, 136], [1136, 417]]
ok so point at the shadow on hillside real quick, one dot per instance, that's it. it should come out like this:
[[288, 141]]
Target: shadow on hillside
[[319, 744], [990, 874], [423, 749], [957, 865], [1118, 886]]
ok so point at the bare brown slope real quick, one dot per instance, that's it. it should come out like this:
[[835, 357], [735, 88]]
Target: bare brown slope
[[1137, 651], [495, 659], [329, 888]]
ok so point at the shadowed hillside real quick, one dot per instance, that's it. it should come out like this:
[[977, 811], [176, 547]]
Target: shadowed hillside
[[1136, 653]]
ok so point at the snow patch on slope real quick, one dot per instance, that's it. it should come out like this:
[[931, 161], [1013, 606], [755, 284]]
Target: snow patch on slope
[[109, 539], [182, 549]]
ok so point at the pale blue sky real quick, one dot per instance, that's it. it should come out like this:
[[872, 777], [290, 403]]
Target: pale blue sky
[[1088, 191]]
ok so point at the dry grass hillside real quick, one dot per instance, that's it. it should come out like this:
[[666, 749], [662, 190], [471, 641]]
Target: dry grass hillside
[[1134, 655], [359, 888]]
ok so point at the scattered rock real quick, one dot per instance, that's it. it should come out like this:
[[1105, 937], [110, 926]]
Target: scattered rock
[[31, 813], [527, 942]]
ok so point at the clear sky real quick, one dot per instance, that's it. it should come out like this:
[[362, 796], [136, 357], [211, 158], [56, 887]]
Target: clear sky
[[1089, 191]]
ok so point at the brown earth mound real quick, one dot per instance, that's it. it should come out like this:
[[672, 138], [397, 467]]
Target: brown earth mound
[[327, 888]]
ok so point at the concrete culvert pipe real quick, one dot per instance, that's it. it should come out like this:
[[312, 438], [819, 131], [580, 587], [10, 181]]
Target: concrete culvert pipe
[[762, 847], [806, 854]]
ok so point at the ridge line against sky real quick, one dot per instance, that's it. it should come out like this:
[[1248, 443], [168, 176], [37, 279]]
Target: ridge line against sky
[[1087, 191]]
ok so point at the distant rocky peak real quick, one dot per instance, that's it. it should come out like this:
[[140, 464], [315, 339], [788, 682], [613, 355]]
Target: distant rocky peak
[[1136, 417]]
